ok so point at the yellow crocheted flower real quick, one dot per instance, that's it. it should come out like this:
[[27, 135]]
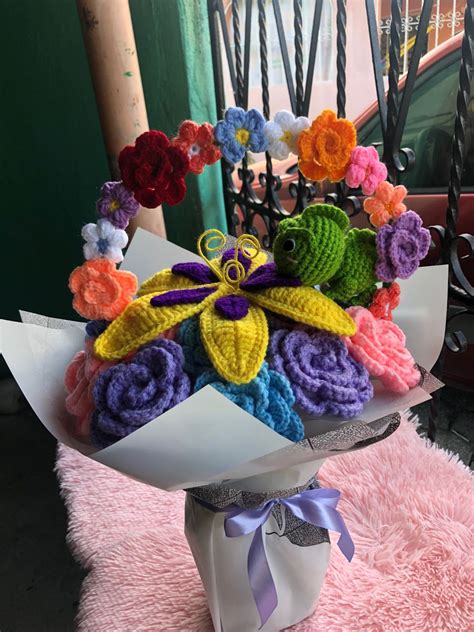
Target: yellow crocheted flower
[[230, 294]]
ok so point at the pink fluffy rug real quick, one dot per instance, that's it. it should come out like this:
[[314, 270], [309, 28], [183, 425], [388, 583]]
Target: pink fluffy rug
[[407, 504]]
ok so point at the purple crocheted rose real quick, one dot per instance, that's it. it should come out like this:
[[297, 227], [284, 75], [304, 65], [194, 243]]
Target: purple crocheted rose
[[117, 204], [323, 376], [130, 394], [401, 246]]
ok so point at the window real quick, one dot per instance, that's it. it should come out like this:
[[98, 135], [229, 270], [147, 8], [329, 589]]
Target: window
[[324, 65], [429, 128]]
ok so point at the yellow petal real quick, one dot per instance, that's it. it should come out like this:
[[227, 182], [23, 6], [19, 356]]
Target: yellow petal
[[305, 305], [165, 281], [140, 323], [236, 347]]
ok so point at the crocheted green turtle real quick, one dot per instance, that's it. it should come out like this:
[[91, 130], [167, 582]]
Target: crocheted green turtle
[[354, 282], [318, 248]]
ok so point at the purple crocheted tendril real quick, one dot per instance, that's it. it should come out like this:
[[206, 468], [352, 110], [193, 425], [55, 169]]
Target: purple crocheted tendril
[[179, 297], [117, 204], [268, 276], [96, 327], [324, 377], [400, 247], [232, 307], [130, 394], [199, 272]]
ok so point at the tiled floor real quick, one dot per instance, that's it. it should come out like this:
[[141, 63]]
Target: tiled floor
[[39, 580]]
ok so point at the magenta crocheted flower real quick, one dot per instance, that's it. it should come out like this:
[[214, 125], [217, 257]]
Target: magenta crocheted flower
[[130, 394], [323, 376], [365, 170], [117, 204], [400, 247]]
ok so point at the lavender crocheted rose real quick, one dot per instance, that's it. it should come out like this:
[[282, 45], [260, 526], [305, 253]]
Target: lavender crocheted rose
[[401, 246], [267, 397], [323, 376], [117, 204], [130, 394]]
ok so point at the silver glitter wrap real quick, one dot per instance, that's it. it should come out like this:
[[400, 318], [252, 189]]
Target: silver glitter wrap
[[297, 531]]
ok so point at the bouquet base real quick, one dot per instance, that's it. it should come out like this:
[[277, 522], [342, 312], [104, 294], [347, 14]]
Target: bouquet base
[[297, 554]]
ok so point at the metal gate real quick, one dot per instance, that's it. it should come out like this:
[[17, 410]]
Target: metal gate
[[231, 40]]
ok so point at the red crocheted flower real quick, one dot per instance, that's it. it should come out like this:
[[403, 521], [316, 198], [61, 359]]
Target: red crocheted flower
[[154, 170], [197, 141], [385, 300]]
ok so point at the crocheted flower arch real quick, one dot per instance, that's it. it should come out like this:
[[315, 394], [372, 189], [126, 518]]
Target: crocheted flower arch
[[304, 331]]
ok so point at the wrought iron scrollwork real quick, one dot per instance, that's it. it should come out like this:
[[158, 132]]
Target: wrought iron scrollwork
[[241, 206], [260, 216]]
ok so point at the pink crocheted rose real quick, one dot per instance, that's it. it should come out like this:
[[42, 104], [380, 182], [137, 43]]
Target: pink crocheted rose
[[79, 380], [365, 170], [379, 345]]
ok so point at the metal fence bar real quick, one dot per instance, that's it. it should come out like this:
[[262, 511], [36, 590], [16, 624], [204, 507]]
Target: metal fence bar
[[377, 65], [284, 54], [459, 286], [248, 36], [318, 8], [420, 41], [392, 97]]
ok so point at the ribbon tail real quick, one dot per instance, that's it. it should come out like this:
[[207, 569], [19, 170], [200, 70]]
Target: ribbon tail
[[345, 542], [260, 578]]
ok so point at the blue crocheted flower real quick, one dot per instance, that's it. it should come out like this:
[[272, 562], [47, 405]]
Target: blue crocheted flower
[[196, 359], [268, 397], [240, 131]]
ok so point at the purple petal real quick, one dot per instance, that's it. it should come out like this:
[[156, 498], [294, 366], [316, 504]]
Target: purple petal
[[409, 221], [385, 271], [232, 307], [199, 272], [177, 297], [268, 276]]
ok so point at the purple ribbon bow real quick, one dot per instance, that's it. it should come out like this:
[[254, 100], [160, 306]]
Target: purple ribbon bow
[[315, 506]]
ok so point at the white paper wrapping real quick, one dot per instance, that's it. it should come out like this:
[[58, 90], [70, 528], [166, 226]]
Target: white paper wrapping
[[208, 439]]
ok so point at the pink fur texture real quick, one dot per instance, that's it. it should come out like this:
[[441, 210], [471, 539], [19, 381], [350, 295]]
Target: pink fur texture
[[407, 504]]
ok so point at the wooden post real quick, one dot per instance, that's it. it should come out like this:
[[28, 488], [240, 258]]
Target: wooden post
[[110, 44]]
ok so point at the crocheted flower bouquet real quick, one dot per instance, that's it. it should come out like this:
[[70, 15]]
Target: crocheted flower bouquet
[[234, 374]]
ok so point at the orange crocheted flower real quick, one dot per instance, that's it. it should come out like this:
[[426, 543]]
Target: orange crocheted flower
[[325, 148], [386, 204], [100, 290], [197, 141], [384, 301]]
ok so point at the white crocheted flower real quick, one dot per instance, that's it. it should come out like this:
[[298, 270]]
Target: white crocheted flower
[[283, 132], [103, 240]]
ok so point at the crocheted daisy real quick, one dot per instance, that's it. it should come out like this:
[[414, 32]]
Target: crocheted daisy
[[103, 240], [117, 204], [230, 294], [283, 132], [239, 132]]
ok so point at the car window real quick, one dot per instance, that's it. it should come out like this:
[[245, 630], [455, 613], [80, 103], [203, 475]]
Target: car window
[[429, 128]]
